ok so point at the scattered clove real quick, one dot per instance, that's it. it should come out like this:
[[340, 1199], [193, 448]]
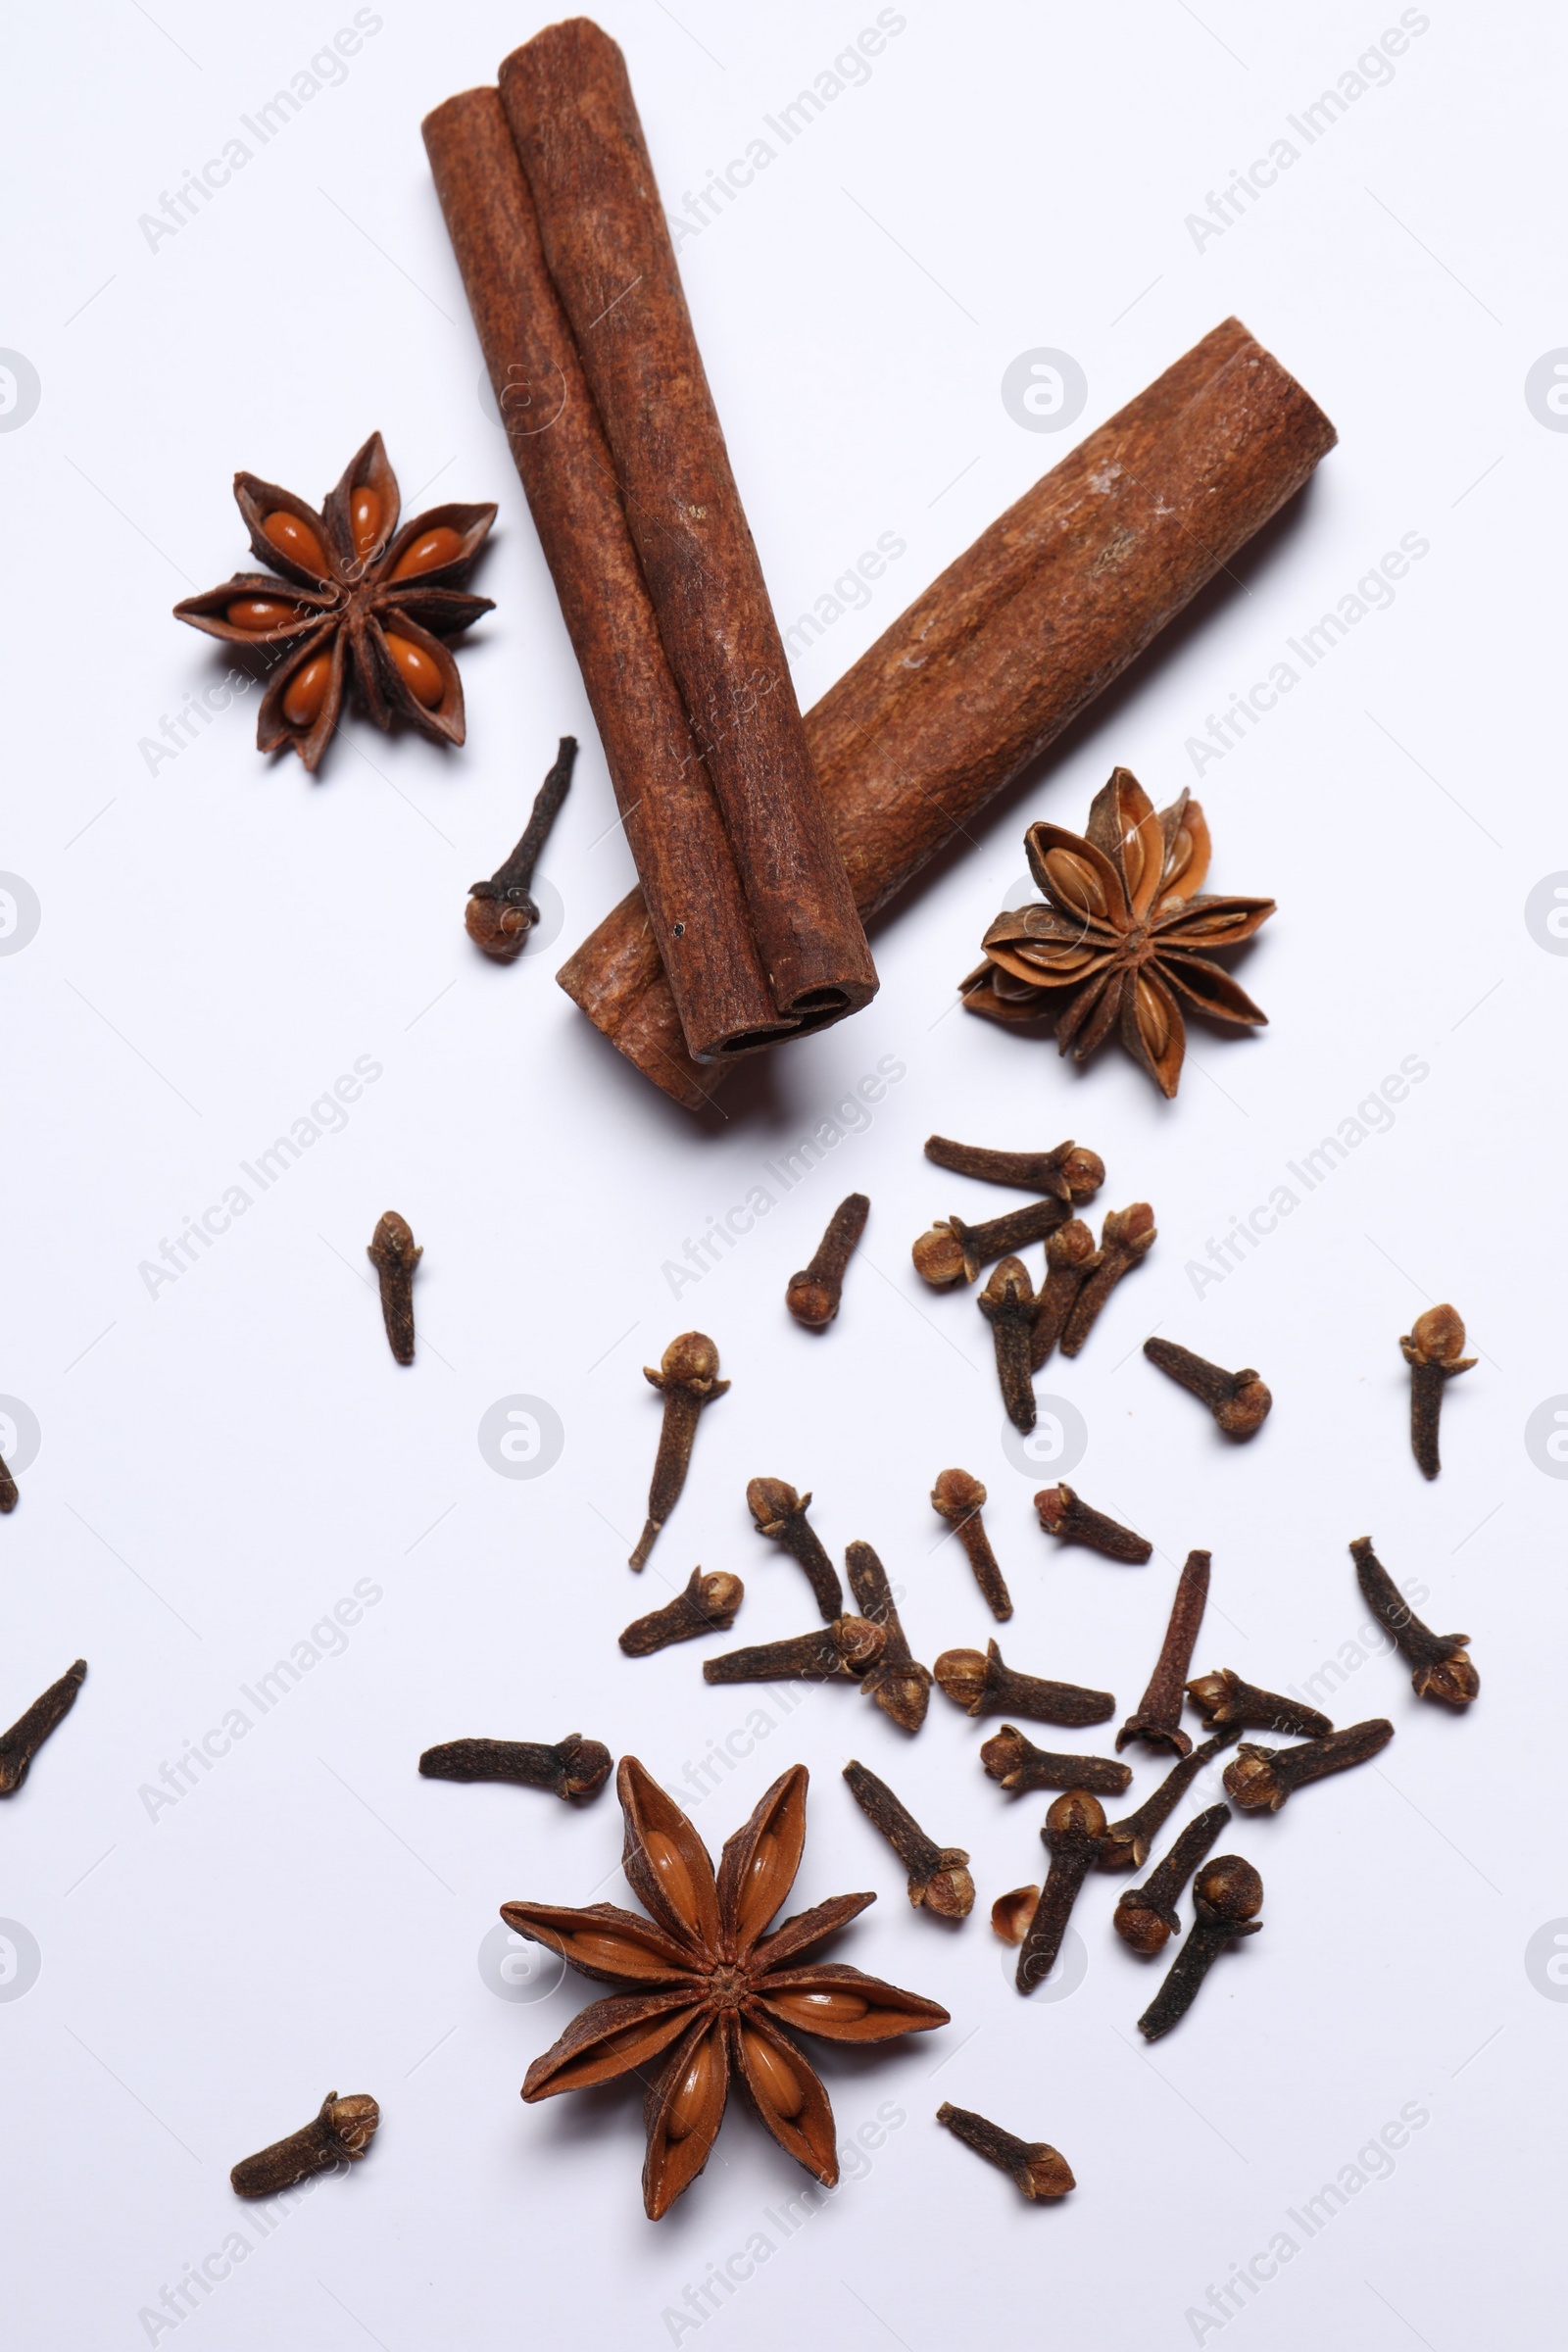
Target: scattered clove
[[1066, 1173], [1157, 1720], [392, 1252], [986, 1686], [1126, 1844], [707, 1606], [1070, 1259], [954, 1252], [1443, 1669], [813, 1295], [574, 1767], [1011, 1913], [342, 2131], [1432, 1350], [1125, 1240], [9, 1496], [837, 1652], [1146, 1916], [1065, 1514], [900, 1686], [1036, 2168], [28, 1733], [780, 1515], [500, 913], [1074, 1826], [1018, 1765], [1007, 1303], [1262, 1778], [1224, 1697], [960, 1498], [1225, 1902], [938, 1875], [687, 1379], [1239, 1400]]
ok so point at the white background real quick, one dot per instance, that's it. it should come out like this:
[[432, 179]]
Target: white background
[[222, 1461]]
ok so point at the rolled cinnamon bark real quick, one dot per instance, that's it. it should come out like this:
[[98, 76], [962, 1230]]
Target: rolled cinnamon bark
[[1010, 644], [692, 917], [575, 120]]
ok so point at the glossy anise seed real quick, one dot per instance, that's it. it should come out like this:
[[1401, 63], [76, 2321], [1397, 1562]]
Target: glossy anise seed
[[500, 913], [1126, 1844], [708, 1605], [1239, 1400], [1067, 1172], [569, 1768], [895, 1680], [780, 1515], [987, 1685], [295, 538], [838, 1652], [1038, 2169], [1125, 1240], [813, 1295], [306, 691], [260, 614], [429, 553], [1157, 1720], [28, 1733], [392, 1252], [1065, 1514], [1262, 1779], [1074, 1826], [938, 1874], [1017, 1765], [1070, 1259], [954, 1252], [1442, 1667], [1226, 1900], [1223, 1697], [1434, 1349], [1007, 1303], [1146, 1916], [9, 1498], [687, 1380], [960, 1498], [339, 2133]]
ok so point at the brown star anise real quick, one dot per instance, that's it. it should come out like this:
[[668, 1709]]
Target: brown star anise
[[1124, 930], [713, 1993], [354, 587]]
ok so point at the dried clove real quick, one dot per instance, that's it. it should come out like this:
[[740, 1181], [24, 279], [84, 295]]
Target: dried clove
[[1070, 1259], [1126, 1844], [938, 1875], [1224, 1697], [1066, 1173], [1262, 1779], [1125, 1240], [1239, 1400], [687, 1380], [960, 1498], [1036, 2168], [1443, 1669], [1432, 1350], [986, 1686], [837, 1652], [392, 1252], [1007, 1303], [1146, 1916], [342, 2131], [707, 1606], [1018, 1765], [954, 1252], [899, 1686], [500, 913], [1074, 1826], [28, 1733], [9, 1496], [1225, 1902], [813, 1295], [1065, 1514], [574, 1767], [1157, 1720], [780, 1515]]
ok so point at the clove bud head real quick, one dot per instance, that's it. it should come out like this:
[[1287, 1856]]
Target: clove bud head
[[1228, 1892], [353, 2121], [958, 1495], [690, 1361], [950, 1889], [963, 1676], [1083, 1172], [812, 1301], [1074, 1815], [1141, 1925], [1012, 1914], [497, 926], [1455, 1681], [1244, 1414], [939, 1259], [1436, 1338], [858, 1642]]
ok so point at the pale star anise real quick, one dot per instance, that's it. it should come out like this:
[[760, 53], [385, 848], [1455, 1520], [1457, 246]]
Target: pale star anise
[[1124, 929], [713, 1993], [356, 593]]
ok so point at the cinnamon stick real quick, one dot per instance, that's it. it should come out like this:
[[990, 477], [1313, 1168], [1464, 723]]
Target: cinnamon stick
[[575, 125], [1010, 644]]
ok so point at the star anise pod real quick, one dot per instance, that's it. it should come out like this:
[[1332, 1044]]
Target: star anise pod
[[1124, 929], [713, 1993], [356, 590]]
